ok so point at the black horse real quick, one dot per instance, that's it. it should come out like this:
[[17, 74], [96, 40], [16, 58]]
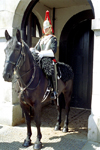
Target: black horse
[[33, 85]]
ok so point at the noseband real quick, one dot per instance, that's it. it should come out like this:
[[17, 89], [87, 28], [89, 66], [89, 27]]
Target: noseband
[[20, 60]]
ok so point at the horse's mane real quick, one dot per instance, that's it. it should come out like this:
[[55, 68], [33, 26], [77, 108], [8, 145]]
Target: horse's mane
[[26, 48], [32, 58]]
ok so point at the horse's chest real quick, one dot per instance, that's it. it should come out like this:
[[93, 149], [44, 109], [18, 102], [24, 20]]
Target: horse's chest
[[26, 98]]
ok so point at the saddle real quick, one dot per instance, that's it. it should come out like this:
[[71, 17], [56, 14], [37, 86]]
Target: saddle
[[64, 71]]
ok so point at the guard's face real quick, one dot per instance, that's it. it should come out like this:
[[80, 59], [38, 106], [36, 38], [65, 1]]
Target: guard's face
[[47, 31]]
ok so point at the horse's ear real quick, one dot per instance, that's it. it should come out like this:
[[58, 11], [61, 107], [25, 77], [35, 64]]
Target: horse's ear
[[7, 36], [18, 35]]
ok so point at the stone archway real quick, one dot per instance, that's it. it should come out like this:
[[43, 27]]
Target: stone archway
[[22, 11]]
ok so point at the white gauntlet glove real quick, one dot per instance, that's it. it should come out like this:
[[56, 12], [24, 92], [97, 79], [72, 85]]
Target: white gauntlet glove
[[46, 53], [33, 50], [40, 54]]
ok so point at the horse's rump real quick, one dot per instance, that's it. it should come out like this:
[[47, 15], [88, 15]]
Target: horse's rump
[[65, 71]]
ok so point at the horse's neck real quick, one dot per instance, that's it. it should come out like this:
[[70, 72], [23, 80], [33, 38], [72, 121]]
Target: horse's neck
[[26, 70], [30, 70]]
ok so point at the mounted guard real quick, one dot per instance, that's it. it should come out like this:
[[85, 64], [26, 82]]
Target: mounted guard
[[47, 47]]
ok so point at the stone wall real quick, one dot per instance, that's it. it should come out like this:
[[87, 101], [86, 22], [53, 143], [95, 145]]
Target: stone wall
[[10, 111]]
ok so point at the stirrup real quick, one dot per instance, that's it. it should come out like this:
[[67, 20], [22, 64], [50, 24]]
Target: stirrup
[[53, 95]]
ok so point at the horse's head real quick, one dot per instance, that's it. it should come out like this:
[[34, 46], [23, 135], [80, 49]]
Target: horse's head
[[12, 54]]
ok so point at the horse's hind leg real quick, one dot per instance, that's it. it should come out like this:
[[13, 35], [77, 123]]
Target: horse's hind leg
[[26, 109], [37, 118], [67, 96], [67, 108]]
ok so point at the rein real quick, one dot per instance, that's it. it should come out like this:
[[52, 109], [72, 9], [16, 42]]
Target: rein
[[31, 80]]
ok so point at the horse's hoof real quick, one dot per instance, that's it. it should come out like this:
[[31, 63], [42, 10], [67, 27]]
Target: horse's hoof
[[57, 127], [27, 143], [37, 146], [65, 130]]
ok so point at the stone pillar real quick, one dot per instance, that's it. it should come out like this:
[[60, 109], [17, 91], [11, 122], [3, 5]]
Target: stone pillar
[[10, 110], [94, 118]]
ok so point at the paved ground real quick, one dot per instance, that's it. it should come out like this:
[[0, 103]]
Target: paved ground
[[11, 138]]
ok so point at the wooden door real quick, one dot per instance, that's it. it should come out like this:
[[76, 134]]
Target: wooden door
[[79, 55]]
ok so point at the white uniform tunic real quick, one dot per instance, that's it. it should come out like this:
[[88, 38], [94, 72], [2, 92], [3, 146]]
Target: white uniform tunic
[[47, 45]]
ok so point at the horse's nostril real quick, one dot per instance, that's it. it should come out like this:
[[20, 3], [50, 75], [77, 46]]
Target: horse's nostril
[[8, 75]]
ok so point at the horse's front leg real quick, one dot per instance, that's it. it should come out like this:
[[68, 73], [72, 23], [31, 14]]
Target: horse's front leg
[[37, 118], [26, 109], [59, 111]]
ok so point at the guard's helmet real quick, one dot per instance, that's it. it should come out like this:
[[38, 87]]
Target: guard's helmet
[[47, 22]]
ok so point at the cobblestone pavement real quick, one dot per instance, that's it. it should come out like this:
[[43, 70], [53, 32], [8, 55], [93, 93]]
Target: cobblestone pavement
[[11, 138]]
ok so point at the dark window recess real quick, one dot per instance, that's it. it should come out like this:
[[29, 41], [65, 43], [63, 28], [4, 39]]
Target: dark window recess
[[32, 29]]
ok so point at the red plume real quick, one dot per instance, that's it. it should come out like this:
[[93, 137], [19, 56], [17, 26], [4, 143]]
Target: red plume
[[47, 16]]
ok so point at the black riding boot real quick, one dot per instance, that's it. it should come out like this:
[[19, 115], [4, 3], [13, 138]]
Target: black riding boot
[[54, 81]]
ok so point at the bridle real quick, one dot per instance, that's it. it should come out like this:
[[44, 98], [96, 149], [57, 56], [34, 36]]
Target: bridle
[[20, 61], [18, 65]]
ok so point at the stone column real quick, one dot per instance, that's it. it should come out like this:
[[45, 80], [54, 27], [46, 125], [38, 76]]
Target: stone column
[[10, 110], [94, 118]]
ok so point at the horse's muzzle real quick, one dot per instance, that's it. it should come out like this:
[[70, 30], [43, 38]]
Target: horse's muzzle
[[7, 77]]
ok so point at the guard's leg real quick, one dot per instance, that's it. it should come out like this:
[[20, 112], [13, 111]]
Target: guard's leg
[[54, 81]]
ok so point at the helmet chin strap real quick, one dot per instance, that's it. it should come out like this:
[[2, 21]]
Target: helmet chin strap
[[48, 31]]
